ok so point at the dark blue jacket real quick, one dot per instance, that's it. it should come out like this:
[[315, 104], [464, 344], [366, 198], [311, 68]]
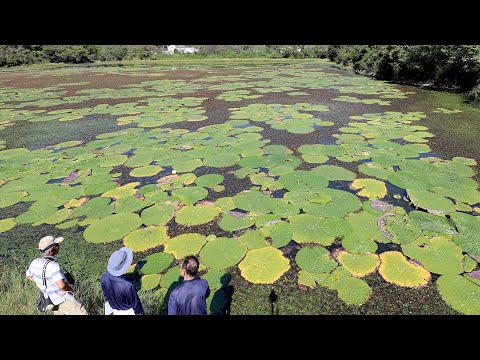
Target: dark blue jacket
[[121, 293], [189, 298]]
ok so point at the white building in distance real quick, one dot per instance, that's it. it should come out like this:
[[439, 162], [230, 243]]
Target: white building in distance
[[181, 49]]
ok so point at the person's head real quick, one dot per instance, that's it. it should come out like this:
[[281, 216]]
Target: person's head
[[189, 267], [120, 261], [48, 245]]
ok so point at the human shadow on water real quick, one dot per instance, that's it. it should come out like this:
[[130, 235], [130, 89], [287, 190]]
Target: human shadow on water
[[222, 298], [272, 297]]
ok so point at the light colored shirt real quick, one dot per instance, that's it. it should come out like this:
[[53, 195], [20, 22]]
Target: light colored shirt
[[53, 273]]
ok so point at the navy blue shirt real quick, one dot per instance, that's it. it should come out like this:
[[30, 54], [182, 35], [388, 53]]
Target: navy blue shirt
[[189, 298], [121, 293]]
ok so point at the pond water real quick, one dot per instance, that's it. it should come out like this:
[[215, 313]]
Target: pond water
[[165, 155]]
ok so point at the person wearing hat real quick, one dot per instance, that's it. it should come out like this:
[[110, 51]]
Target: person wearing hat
[[120, 294], [46, 270]]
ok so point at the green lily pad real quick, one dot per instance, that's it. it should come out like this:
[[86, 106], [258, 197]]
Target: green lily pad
[[217, 279], [145, 171], [150, 282], [359, 243], [188, 166], [359, 265], [232, 223], [263, 266], [222, 253], [431, 224], [67, 224], [225, 203], [111, 228], [185, 244], [332, 172], [196, 215], [7, 224], [301, 180], [155, 263], [464, 161], [158, 214], [220, 161], [190, 195], [307, 279], [370, 188], [281, 233], [124, 191], [254, 201], [11, 198], [146, 238], [432, 202], [315, 260], [439, 255], [341, 203], [209, 180], [171, 279], [460, 293], [468, 263], [253, 239], [468, 237], [396, 269], [311, 229], [353, 291]]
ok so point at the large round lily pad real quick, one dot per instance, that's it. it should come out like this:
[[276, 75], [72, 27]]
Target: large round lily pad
[[264, 266], [253, 239], [461, 294], [145, 171], [185, 244], [359, 264], [171, 279], [232, 223], [312, 229], [396, 269], [222, 253], [431, 224], [341, 203], [301, 180], [254, 201], [146, 238], [158, 214], [209, 180], [196, 215], [439, 255], [190, 195], [111, 228], [353, 291], [315, 260], [155, 263], [432, 202], [370, 188], [149, 282]]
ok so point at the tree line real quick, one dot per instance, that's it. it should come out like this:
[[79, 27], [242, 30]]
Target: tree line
[[447, 67]]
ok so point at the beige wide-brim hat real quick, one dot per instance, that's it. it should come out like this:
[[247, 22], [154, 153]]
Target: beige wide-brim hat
[[48, 241]]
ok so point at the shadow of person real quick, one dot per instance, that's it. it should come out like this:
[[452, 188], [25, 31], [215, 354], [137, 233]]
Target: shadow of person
[[272, 297], [222, 299], [172, 286]]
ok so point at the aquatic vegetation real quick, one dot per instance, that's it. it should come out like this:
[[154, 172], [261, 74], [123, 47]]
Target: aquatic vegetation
[[396, 269], [263, 266]]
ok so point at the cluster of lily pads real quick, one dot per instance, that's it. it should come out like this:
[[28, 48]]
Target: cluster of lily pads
[[135, 184]]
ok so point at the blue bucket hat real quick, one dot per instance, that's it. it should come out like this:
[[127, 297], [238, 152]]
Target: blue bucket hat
[[120, 261]]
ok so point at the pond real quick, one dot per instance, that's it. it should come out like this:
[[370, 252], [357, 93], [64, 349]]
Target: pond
[[343, 194]]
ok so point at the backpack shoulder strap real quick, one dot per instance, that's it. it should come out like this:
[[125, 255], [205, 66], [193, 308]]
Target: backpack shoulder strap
[[44, 280]]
